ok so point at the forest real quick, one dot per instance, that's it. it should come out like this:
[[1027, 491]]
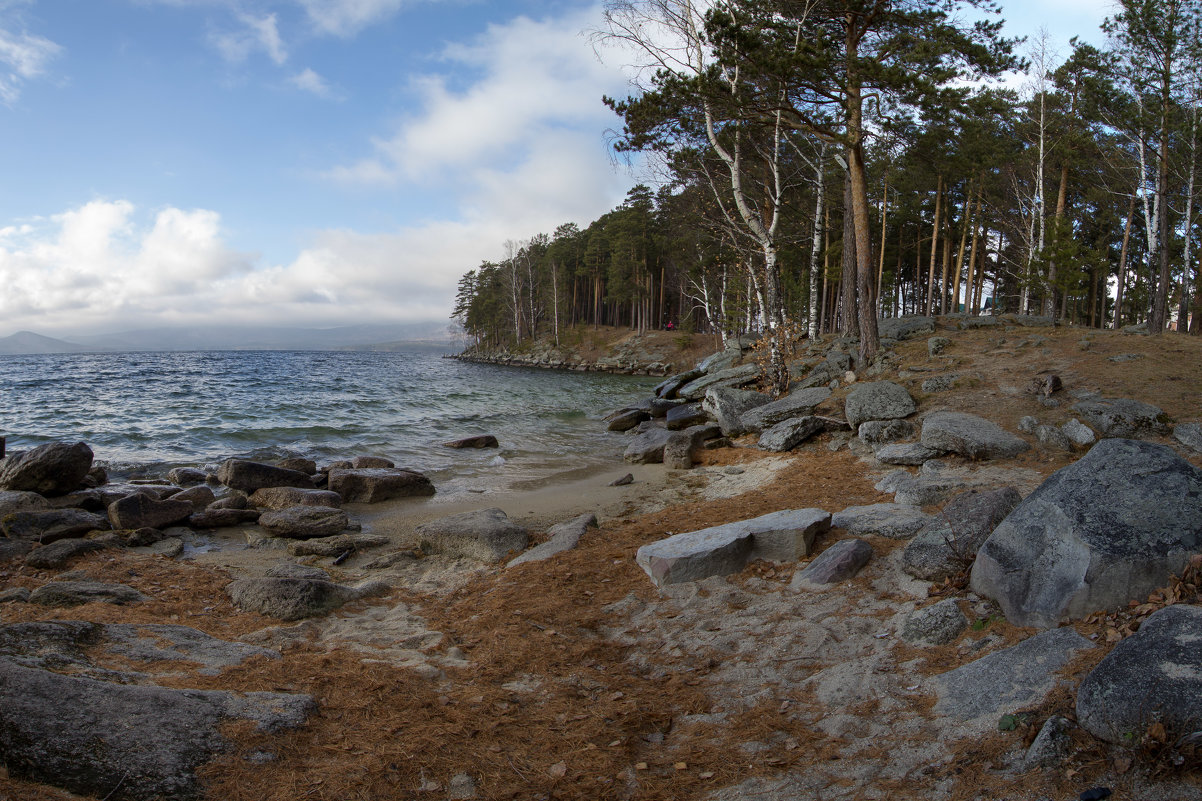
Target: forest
[[813, 165]]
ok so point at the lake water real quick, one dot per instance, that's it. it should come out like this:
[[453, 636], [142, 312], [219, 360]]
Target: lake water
[[143, 413]]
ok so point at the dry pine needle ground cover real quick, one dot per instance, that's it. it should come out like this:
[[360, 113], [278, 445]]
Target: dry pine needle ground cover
[[552, 706]]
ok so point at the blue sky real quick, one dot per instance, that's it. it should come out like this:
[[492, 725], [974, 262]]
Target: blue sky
[[300, 162]]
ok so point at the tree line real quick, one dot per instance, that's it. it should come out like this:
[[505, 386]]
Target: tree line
[[822, 162]]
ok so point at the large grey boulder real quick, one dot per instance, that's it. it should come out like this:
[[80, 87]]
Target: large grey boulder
[[626, 419], [376, 484], [798, 403], [60, 552], [1003, 682], [900, 328], [48, 525], [143, 511], [563, 537], [199, 496], [1153, 676], [250, 476], [970, 436], [1189, 435], [876, 433], [787, 435], [727, 406], [74, 593], [286, 497], [720, 550], [894, 520], [485, 534], [647, 447], [55, 468], [1123, 417], [108, 734], [186, 476], [948, 544], [878, 400], [295, 597], [1105, 530], [685, 416], [680, 446], [304, 522]]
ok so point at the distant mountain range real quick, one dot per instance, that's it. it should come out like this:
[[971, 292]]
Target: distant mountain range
[[400, 336]]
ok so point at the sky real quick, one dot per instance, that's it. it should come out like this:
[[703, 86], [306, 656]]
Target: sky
[[310, 163]]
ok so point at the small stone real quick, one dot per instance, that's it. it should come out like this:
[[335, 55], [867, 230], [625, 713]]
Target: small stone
[[623, 481], [938, 624]]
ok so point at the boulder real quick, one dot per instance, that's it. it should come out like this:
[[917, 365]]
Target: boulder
[[1053, 745], [222, 518], [143, 511], [627, 419], [940, 383], [1123, 417], [235, 500], [731, 377], [295, 598], [727, 406], [1152, 677], [74, 593], [840, 562], [373, 485], [55, 468], [52, 524], [799, 403], [485, 534], [678, 450], [947, 545], [720, 550], [668, 388], [186, 476], [937, 345], [286, 497], [970, 436], [1106, 530], [304, 522], [878, 400], [1189, 435], [647, 447], [371, 463], [893, 520], [659, 407], [250, 476], [21, 501], [1052, 437], [1019, 677], [787, 435], [938, 624], [882, 432], [563, 537], [58, 553], [199, 496], [906, 453], [691, 414], [299, 464]]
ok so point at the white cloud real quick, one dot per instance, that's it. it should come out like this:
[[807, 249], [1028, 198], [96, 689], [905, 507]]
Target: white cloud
[[309, 81], [257, 33], [348, 17], [23, 56]]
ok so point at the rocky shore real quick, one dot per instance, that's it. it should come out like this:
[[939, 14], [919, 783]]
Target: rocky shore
[[970, 570]]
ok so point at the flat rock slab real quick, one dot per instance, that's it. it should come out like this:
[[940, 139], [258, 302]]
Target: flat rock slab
[[1123, 417], [840, 562], [731, 377], [906, 453], [1007, 681], [1155, 675], [293, 598], [60, 552], [686, 415], [878, 400], [905, 327], [479, 441], [143, 511], [376, 484], [721, 550], [105, 734], [485, 534], [647, 447], [787, 435], [336, 545], [1106, 530], [799, 403], [74, 593], [284, 497], [970, 436], [894, 520], [48, 525], [564, 537], [21, 501]]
